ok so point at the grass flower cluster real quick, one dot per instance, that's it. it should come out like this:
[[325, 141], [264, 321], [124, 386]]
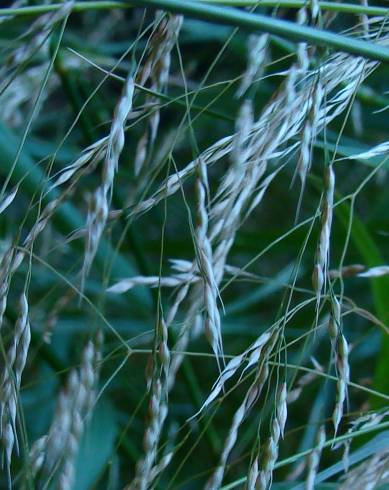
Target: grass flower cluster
[[194, 278]]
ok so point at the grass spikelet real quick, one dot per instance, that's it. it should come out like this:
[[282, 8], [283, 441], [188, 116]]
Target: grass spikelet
[[257, 52], [88, 159], [369, 475], [381, 149], [11, 379], [322, 253], [216, 479], [343, 370], [252, 355], [379, 271], [334, 323], [157, 416], [152, 281], [313, 459], [148, 467], [302, 49], [83, 395], [258, 356], [270, 452], [74, 405], [362, 422], [8, 199], [206, 267], [37, 455], [5, 275], [156, 69], [309, 133], [101, 200]]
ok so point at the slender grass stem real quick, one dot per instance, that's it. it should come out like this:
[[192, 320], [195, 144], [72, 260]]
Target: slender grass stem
[[349, 8], [256, 22]]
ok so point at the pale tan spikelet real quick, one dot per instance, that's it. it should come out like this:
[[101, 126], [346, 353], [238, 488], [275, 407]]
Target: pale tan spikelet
[[343, 370], [313, 459], [116, 136], [252, 355], [156, 69], [66, 472], [346, 271], [149, 467], [253, 474], [334, 323], [74, 405], [364, 421], [282, 412], [7, 199], [152, 281], [88, 159], [258, 355], [241, 148], [158, 380], [11, 379], [302, 48], [83, 396], [205, 263], [36, 455], [381, 149], [215, 481], [98, 213], [157, 415], [141, 153], [96, 220], [323, 248], [270, 452], [309, 132], [42, 221], [60, 428], [379, 271], [257, 52], [369, 475]]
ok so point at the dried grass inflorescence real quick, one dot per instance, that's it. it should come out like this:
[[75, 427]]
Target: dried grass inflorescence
[[282, 119], [251, 149], [259, 380]]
